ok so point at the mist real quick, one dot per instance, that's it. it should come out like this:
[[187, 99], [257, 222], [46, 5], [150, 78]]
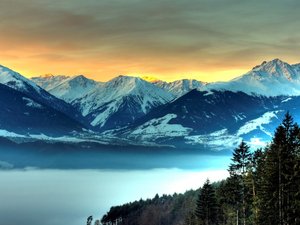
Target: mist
[[57, 197]]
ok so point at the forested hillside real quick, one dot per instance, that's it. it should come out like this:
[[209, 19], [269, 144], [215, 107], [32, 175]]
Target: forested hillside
[[263, 188]]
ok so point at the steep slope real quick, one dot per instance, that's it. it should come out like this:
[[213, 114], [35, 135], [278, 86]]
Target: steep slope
[[19, 83], [120, 101], [67, 88], [215, 119], [271, 78], [180, 87], [22, 114]]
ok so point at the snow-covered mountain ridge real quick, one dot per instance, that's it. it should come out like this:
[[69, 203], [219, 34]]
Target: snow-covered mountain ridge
[[65, 87], [26, 86], [184, 112], [271, 78], [120, 101], [216, 119]]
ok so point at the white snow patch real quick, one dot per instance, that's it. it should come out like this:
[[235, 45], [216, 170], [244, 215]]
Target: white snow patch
[[209, 92], [62, 138], [160, 127], [101, 118], [218, 140], [257, 124], [31, 103], [286, 100], [5, 133]]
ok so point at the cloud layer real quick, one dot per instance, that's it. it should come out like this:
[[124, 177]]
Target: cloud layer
[[204, 39]]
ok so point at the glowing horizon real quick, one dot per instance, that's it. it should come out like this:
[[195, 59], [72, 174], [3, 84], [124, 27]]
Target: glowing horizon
[[200, 76], [171, 40], [208, 77]]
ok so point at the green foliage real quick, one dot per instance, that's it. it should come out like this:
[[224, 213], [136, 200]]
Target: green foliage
[[241, 160], [277, 192], [206, 210]]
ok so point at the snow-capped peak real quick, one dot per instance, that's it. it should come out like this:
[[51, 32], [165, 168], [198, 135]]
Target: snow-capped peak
[[270, 79], [15, 80], [276, 68], [126, 85], [66, 87], [133, 95], [181, 87], [49, 81]]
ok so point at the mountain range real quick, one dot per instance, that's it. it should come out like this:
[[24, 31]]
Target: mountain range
[[183, 114]]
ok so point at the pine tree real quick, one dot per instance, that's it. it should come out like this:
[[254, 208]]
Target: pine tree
[[241, 160], [278, 187], [253, 180], [229, 197], [206, 209], [238, 168], [89, 220]]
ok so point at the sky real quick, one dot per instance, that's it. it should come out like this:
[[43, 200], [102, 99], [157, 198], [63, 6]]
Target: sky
[[208, 40]]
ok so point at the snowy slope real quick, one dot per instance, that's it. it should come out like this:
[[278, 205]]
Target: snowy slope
[[22, 114], [161, 128], [271, 78], [180, 87], [49, 81], [216, 119], [19, 83], [16, 81], [120, 101], [68, 88]]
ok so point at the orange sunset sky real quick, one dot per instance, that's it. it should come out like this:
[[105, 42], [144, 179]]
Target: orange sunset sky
[[168, 39]]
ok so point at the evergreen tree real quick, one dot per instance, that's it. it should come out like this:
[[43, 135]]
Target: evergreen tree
[[253, 181], [278, 187], [229, 197], [241, 160], [89, 220], [190, 219], [206, 209], [238, 168]]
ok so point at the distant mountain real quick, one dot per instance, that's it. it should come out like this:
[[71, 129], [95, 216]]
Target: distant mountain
[[27, 115], [180, 87], [49, 81], [120, 101], [66, 88], [186, 112], [217, 119], [21, 84], [271, 78]]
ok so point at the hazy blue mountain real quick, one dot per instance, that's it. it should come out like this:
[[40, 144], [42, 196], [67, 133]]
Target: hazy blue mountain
[[21, 84], [214, 118], [24, 114]]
